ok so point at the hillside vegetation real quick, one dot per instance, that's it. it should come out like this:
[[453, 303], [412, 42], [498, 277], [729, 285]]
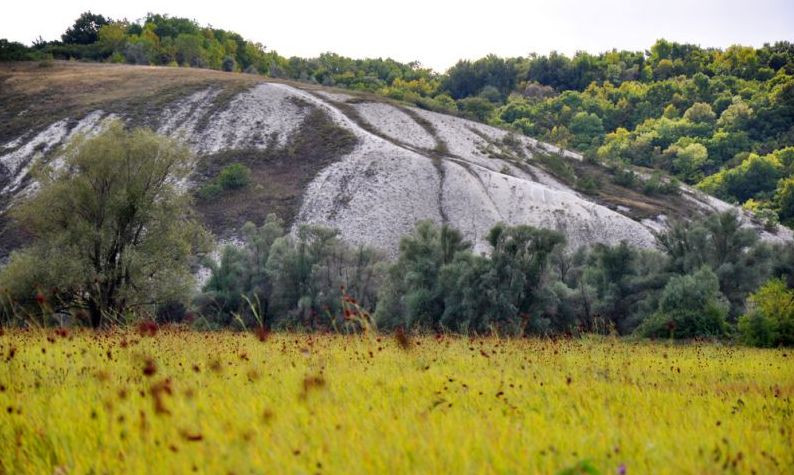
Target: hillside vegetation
[[721, 119]]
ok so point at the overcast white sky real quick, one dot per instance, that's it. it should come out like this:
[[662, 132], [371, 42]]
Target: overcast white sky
[[438, 33]]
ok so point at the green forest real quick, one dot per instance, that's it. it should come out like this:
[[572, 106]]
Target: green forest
[[719, 119]]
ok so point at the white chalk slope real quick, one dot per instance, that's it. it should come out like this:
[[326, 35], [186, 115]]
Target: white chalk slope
[[408, 165]]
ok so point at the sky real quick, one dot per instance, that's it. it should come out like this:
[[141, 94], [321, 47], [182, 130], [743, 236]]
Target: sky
[[437, 33]]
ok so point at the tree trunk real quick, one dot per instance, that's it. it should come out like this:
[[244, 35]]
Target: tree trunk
[[95, 314]]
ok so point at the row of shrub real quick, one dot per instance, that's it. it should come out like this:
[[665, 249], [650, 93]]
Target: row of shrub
[[710, 279]]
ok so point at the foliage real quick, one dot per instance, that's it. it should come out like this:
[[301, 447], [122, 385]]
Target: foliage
[[587, 129], [313, 271], [527, 284], [657, 185], [239, 280], [770, 317], [412, 295], [477, 108], [85, 29], [735, 254], [467, 79], [231, 177], [277, 280], [229, 64], [15, 51], [438, 283], [234, 176], [756, 177], [622, 282], [690, 306], [112, 231]]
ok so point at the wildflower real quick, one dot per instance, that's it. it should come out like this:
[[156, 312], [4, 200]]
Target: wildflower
[[147, 328], [310, 383], [192, 437], [402, 338], [158, 391], [149, 367], [262, 333], [216, 366]]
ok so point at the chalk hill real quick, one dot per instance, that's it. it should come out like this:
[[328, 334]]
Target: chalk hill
[[357, 162]]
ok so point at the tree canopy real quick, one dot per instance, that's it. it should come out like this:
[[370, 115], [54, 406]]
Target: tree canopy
[[112, 228]]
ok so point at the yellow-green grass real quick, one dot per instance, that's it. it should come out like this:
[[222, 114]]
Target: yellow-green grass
[[229, 403]]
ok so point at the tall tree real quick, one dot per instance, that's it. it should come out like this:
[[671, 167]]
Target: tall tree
[[85, 29], [113, 229]]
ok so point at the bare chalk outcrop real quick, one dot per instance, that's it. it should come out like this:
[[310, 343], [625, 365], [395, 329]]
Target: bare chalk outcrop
[[407, 165]]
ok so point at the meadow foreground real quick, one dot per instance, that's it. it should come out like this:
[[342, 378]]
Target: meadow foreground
[[175, 401]]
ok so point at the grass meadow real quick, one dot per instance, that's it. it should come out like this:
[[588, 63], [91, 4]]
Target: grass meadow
[[178, 401]]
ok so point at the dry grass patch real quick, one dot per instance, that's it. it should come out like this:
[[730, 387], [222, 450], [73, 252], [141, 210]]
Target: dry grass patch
[[172, 401]]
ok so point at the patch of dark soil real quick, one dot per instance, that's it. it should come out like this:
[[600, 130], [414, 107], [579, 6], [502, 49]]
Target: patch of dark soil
[[279, 175], [441, 148], [641, 205]]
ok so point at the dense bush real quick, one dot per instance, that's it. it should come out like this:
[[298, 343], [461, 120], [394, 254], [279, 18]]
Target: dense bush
[[438, 283], [14, 51], [528, 283], [735, 254], [113, 233], [697, 286], [231, 177], [622, 283], [412, 295], [239, 284], [284, 281], [770, 317], [234, 176], [229, 64], [312, 272], [657, 185], [690, 306]]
